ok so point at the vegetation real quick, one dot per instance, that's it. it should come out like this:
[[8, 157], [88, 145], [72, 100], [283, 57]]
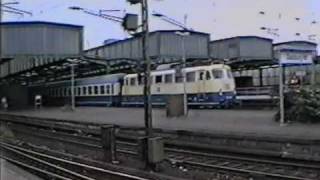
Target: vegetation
[[302, 105]]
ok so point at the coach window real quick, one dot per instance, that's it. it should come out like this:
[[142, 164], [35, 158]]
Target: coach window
[[102, 90], [208, 76], [90, 90], [191, 76], [112, 89], [158, 79], [108, 89], [127, 82], [96, 90], [217, 74], [79, 91], [168, 78], [84, 90], [132, 81]]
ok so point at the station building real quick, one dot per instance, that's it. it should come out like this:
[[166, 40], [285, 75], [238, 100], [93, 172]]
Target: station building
[[164, 47], [33, 51]]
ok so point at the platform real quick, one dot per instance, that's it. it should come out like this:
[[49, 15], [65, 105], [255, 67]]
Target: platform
[[9, 171], [251, 122]]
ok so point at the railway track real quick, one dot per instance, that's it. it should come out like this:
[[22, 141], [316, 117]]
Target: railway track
[[179, 156], [237, 163], [241, 165], [48, 166]]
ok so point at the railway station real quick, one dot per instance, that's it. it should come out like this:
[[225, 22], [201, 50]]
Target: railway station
[[159, 104]]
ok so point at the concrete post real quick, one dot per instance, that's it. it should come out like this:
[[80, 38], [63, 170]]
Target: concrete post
[[109, 142]]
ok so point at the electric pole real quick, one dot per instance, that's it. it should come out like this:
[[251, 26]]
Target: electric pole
[[147, 77]]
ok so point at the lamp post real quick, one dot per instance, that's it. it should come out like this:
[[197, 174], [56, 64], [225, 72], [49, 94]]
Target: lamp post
[[183, 48], [183, 34], [73, 106], [274, 33]]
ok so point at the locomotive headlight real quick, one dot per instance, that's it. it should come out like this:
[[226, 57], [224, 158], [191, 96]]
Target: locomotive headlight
[[220, 92]]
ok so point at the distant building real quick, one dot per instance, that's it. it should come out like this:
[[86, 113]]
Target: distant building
[[164, 47], [295, 50], [242, 50], [36, 44]]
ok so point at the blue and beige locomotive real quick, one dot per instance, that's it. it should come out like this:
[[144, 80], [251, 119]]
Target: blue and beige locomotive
[[206, 86]]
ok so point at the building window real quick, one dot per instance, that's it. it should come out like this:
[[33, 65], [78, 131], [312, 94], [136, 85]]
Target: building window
[[191, 77], [168, 78], [158, 79]]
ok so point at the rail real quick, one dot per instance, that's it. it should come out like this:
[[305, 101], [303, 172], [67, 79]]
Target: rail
[[89, 138]]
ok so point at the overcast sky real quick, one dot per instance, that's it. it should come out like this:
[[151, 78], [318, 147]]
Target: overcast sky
[[220, 18]]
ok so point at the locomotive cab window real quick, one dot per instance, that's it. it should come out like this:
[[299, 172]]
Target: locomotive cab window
[[217, 74], [132, 81], [229, 74]]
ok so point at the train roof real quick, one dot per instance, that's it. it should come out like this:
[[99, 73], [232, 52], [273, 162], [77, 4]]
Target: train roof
[[88, 80], [188, 69]]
